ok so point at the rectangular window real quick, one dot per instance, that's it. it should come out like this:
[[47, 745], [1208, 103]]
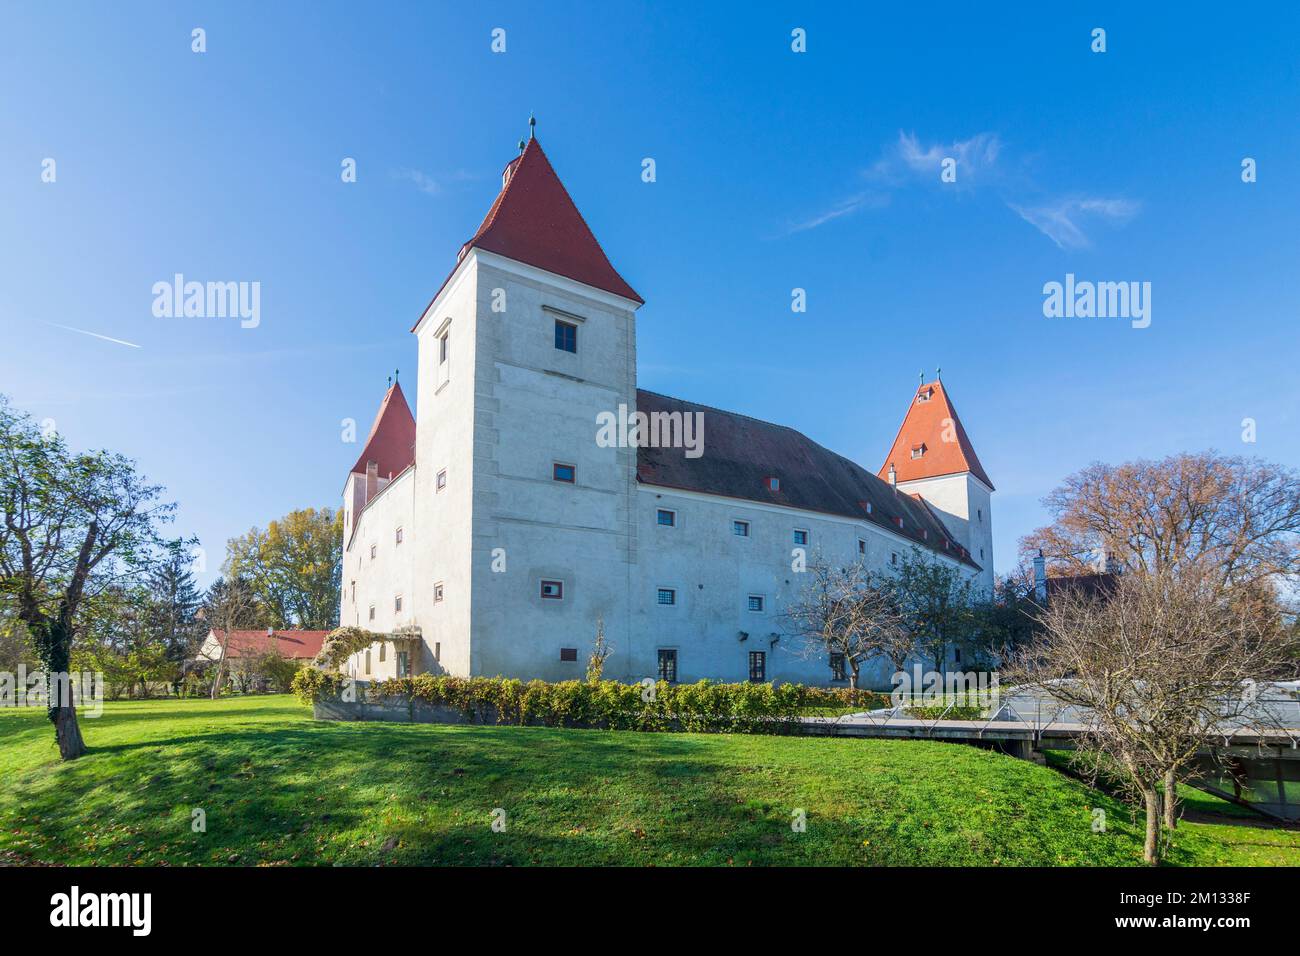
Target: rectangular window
[[668, 664], [667, 596], [837, 667], [397, 604], [862, 546], [566, 336], [372, 612], [444, 347], [403, 664], [383, 655], [553, 590], [757, 666], [367, 660], [740, 528], [893, 557], [666, 518], [800, 536], [773, 483], [565, 473], [373, 549], [399, 535], [568, 653], [440, 482], [437, 593], [437, 650], [756, 602]]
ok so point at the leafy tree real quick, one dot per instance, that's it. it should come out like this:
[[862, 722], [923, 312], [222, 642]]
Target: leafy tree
[[938, 600], [294, 567], [73, 523], [174, 603]]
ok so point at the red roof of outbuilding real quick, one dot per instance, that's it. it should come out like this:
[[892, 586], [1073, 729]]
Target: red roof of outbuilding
[[932, 425], [534, 221], [299, 645], [392, 437]]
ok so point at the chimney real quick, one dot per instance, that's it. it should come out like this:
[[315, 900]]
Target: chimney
[[893, 475], [1040, 578], [372, 479]]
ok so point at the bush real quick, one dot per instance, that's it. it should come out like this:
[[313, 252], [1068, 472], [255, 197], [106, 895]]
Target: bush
[[609, 705]]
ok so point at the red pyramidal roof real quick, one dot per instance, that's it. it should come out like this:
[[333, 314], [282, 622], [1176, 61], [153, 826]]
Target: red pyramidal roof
[[534, 221], [392, 437], [932, 441]]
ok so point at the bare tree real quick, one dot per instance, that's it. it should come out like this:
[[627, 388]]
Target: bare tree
[[600, 651], [852, 612], [230, 605], [1157, 666], [1240, 516]]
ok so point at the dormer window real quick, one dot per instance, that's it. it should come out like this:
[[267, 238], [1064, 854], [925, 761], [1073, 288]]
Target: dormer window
[[773, 483], [918, 451], [924, 394]]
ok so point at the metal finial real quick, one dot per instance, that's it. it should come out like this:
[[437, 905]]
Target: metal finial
[[390, 381], [921, 375], [532, 126], [938, 374], [397, 373], [521, 147]]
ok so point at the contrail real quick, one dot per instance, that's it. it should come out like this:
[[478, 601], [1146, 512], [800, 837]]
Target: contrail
[[95, 335]]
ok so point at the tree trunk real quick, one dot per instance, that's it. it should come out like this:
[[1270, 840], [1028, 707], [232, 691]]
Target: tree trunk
[[1151, 849], [67, 733], [1171, 800]]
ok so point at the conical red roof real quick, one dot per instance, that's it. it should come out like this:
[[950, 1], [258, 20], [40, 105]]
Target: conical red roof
[[932, 428], [534, 221], [392, 437]]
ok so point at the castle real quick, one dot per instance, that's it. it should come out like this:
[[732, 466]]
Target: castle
[[494, 536]]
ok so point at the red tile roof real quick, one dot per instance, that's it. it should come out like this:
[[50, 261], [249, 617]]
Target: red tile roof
[[392, 437], [932, 425], [299, 645], [742, 453], [534, 221]]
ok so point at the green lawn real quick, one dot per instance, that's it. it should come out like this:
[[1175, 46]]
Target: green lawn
[[280, 788]]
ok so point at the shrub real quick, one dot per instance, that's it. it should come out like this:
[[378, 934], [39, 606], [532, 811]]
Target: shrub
[[704, 706]]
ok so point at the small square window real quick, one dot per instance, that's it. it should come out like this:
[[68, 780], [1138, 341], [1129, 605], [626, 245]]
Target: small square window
[[773, 483], [862, 546], [756, 602], [666, 518], [568, 653], [437, 593], [566, 336], [668, 664], [553, 590], [918, 451], [398, 536], [800, 536], [667, 596], [372, 612], [740, 528], [757, 666], [397, 604], [565, 473], [440, 482]]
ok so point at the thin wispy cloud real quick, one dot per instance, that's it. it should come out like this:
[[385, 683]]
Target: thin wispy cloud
[[1063, 221], [979, 163], [909, 163], [95, 335], [434, 185], [845, 207]]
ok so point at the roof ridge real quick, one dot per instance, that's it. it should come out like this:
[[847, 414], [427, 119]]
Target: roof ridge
[[724, 411]]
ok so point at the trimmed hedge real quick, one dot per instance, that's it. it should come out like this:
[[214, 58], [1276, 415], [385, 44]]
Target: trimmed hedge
[[609, 705]]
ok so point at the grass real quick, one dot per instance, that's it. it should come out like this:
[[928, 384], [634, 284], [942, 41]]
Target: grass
[[279, 788]]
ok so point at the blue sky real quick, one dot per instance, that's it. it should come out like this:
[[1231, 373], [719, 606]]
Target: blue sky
[[775, 170]]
